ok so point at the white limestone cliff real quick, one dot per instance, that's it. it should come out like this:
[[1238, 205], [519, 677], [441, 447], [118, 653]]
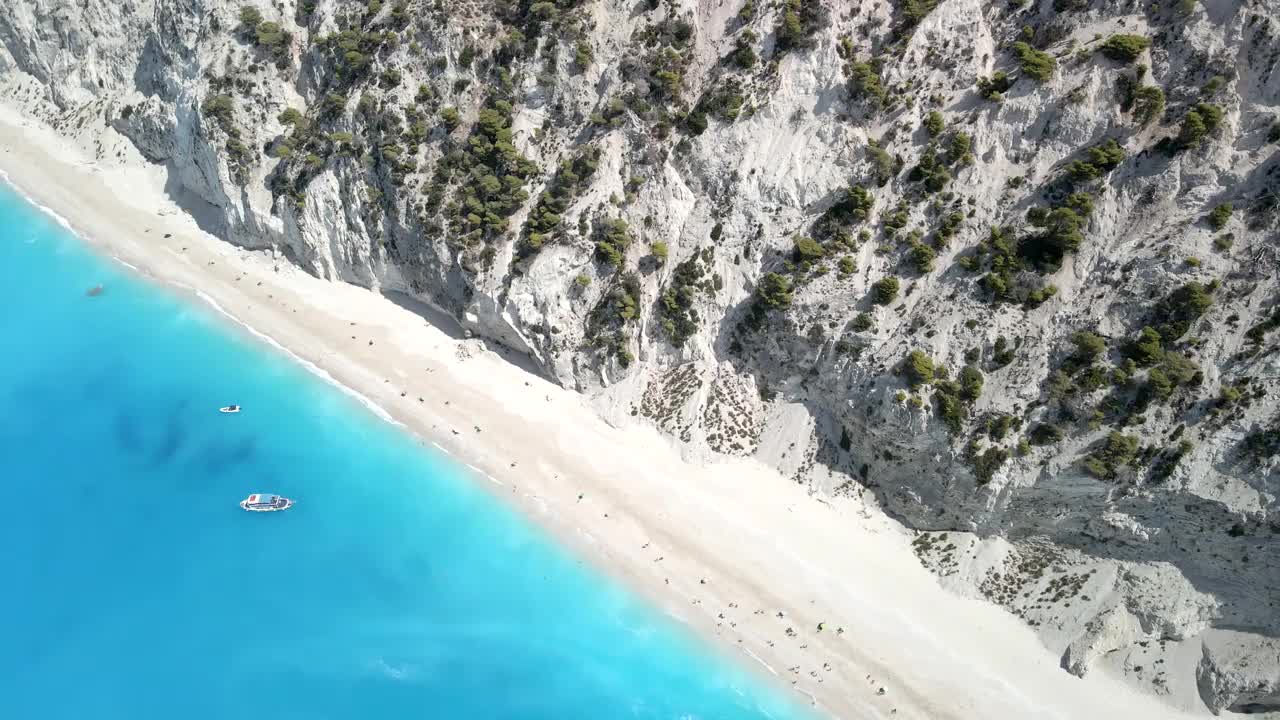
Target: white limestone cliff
[[1168, 563]]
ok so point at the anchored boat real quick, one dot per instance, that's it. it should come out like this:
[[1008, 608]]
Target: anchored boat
[[265, 503], [229, 409]]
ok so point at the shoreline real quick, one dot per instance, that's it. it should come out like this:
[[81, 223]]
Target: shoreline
[[742, 528]]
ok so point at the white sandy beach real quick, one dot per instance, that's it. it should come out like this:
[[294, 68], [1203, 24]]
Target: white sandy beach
[[762, 546]]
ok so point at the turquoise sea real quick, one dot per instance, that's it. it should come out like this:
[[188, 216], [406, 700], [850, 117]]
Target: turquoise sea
[[134, 587]]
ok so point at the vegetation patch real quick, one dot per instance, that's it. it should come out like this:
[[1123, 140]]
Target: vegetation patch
[[798, 21], [1037, 65], [545, 220], [679, 318], [1124, 48]]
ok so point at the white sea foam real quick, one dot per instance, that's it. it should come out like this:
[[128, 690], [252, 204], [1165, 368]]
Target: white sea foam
[[312, 367], [373, 407], [316, 370], [755, 657], [391, 671], [43, 208], [65, 223]]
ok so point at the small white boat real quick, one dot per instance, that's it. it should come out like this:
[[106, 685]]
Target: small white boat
[[259, 502], [229, 409]]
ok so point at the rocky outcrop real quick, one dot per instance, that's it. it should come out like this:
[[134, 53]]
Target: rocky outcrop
[[739, 220], [1237, 674]]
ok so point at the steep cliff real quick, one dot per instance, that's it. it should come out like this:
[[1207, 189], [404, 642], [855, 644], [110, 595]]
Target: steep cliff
[[1008, 270]]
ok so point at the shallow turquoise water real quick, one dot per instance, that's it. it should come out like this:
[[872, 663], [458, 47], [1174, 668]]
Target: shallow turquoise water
[[135, 587]]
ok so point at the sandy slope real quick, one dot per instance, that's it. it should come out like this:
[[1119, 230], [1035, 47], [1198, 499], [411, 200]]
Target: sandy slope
[[761, 545]]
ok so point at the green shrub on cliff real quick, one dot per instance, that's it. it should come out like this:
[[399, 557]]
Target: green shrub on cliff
[[1124, 48]]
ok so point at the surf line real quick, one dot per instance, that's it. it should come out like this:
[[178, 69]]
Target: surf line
[[755, 657], [65, 223], [314, 369], [482, 473]]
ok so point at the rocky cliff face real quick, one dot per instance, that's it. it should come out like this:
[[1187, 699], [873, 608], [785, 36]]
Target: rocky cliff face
[[1008, 270]]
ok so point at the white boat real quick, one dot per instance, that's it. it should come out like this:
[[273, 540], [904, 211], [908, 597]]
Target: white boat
[[260, 502], [229, 409]]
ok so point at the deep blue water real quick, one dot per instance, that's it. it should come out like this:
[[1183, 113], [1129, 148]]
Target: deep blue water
[[134, 587]]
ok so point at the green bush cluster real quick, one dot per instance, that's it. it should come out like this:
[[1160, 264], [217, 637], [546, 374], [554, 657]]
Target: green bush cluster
[[1035, 64], [1003, 255], [1061, 232], [583, 55], [250, 19], [352, 51], [918, 369], [947, 229], [1213, 85], [570, 178], [1045, 434], [934, 123], [266, 35], [774, 291], [1100, 160], [807, 249], [864, 84], [958, 152], [1113, 454], [491, 174], [994, 87], [744, 55], [883, 166], [612, 240], [853, 207], [914, 11], [986, 463], [884, 290], [1201, 121], [1175, 313], [611, 115], [921, 257], [678, 317], [797, 24], [931, 171], [999, 253], [1148, 104], [657, 77], [608, 321], [952, 399], [724, 102], [1089, 348], [1258, 333], [1167, 460], [1220, 216], [1262, 443], [240, 157], [1124, 48], [222, 109], [895, 219], [1004, 352]]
